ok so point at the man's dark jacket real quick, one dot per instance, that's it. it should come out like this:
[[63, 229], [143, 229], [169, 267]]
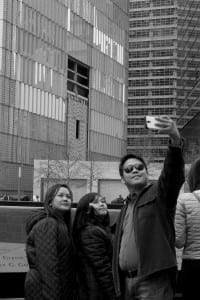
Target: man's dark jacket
[[153, 217]]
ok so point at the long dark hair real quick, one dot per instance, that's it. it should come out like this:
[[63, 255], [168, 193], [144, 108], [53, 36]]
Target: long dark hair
[[194, 176], [85, 215], [49, 196]]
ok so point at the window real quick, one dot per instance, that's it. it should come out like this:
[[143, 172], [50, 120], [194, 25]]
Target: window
[[136, 45], [163, 32], [137, 102], [161, 53], [135, 121], [139, 54], [164, 62], [164, 12], [138, 83], [135, 131], [139, 64], [161, 3], [77, 129], [78, 78], [162, 91], [163, 72], [139, 4], [138, 73], [139, 33], [139, 14], [164, 21], [138, 93], [162, 43], [162, 81], [139, 23]]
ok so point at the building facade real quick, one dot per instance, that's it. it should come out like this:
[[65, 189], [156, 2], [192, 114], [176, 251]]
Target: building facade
[[163, 69], [63, 76], [191, 134], [188, 75]]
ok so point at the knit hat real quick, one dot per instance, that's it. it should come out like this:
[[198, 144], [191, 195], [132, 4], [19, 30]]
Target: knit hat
[[194, 176]]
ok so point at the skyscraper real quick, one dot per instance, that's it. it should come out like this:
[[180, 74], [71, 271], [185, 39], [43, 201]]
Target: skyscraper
[[63, 83], [188, 75], [163, 54]]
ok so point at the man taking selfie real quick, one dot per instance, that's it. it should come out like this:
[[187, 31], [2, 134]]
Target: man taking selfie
[[144, 259]]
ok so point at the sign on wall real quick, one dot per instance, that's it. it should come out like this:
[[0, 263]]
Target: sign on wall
[[13, 258]]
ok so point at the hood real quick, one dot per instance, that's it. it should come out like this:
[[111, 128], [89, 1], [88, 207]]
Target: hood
[[35, 217], [194, 176]]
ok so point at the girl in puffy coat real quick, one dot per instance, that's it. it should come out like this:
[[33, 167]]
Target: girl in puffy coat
[[49, 249], [188, 234], [94, 249]]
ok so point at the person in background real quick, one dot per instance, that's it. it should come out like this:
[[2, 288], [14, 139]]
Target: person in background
[[26, 198], [118, 200], [36, 198], [49, 248], [93, 242], [5, 197], [187, 224], [144, 258]]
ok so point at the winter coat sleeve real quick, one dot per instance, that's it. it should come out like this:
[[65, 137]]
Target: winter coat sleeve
[[180, 223], [172, 177], [94, 249], [47, 258]]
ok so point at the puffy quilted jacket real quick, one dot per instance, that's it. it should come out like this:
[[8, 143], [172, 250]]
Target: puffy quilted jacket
[[51, 274], [94, 265], [187, 224]]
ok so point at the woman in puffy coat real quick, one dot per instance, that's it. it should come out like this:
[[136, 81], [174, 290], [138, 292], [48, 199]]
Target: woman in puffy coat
[[93, 243], [188, 234], [49, 249]]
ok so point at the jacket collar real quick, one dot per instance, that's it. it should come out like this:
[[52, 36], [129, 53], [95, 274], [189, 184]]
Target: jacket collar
[[133, 196]]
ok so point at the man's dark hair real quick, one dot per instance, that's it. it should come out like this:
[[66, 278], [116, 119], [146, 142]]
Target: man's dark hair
[[129, 156]]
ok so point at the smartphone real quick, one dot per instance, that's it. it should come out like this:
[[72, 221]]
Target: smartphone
[[150, 122]]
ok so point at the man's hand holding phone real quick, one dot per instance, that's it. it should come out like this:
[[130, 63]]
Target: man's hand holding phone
[[151, 123], [164, 124]]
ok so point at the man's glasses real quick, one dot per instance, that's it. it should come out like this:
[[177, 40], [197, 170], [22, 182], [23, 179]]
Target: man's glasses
[[137, 167]]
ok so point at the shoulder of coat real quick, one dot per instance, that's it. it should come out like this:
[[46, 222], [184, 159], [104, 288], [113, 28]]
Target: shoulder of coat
[[186, 197], [46, 221]]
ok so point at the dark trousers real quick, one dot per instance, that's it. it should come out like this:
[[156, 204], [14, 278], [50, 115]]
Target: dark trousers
[[190, 283]]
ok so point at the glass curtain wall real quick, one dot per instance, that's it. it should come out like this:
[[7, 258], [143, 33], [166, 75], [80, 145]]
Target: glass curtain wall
[[188, 84], [152, 73]]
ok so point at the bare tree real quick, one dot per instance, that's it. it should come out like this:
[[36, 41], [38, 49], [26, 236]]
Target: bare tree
[[91, 171], [55, 169]]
